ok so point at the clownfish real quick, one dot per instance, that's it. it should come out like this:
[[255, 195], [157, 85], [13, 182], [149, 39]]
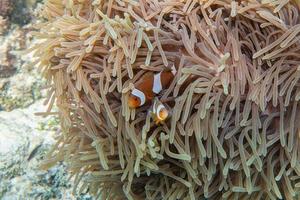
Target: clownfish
[[150, 85], [159, 112]]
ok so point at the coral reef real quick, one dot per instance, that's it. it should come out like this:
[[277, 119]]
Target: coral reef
[[25, 140], [22, 11], [19, 84], [19, 137], [3, 25], [17, 11], [6, 68], [6, 6], [233, 132]]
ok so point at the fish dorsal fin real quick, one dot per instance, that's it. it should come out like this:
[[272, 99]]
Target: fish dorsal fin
[[173, 70]]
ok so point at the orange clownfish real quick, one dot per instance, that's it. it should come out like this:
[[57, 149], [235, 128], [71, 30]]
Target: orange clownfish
[[148, 86], [159, 112]]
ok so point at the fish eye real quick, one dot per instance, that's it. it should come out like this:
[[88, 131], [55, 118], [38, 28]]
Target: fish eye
[[135, 98]]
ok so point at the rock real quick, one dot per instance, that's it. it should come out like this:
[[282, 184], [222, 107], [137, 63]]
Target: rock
[[20, 126], [25, 139]]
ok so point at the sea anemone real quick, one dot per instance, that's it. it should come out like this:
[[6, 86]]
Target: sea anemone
[[233, 130]]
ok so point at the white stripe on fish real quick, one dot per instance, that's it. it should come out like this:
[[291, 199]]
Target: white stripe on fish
[[157, 87], [139, 94]]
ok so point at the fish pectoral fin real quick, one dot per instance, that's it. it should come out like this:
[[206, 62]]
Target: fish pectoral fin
[[153, 115], [155, 118], [157, 121]]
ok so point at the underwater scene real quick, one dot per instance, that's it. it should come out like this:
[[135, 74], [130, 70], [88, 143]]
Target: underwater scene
[[149, 99]]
